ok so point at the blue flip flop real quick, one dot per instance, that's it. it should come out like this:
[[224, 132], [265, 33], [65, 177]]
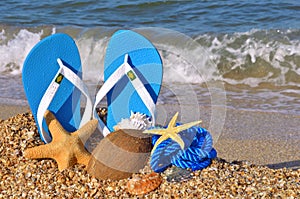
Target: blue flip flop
[[45, 85], [132, 77]]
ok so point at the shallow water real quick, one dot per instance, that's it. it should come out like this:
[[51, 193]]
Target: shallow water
[[248, 52]]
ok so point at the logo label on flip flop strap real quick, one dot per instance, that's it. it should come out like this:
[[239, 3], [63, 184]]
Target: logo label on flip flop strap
[[59, 78], [131, 75]]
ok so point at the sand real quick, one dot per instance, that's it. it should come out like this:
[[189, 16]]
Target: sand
[[261, 138], [7, 111], [258, 156]]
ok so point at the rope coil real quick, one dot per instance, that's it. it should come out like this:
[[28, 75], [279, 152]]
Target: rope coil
[[196, 155]]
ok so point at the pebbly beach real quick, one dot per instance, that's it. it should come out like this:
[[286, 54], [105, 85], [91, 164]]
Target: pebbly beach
[[109, 100], [264, 165]]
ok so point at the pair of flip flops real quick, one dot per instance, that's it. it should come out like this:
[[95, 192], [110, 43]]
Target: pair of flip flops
[[52, 80]]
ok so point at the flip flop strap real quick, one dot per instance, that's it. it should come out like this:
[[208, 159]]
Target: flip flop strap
[[63, 72], [140, 88], [126, 69]]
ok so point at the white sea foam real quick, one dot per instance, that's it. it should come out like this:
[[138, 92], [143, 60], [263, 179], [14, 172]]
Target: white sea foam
[[14, 51], [261, 50], [249, 58], [92, 54]]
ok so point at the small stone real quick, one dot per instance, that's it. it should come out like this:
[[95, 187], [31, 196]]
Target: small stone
[[176, 174], [71, 174], [28, 175], [30, 134]]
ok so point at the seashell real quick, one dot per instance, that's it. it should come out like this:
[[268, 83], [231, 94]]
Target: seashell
[[144, 185], [136, 121]]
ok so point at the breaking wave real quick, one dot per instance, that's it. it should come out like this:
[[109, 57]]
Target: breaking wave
[[250, 58]]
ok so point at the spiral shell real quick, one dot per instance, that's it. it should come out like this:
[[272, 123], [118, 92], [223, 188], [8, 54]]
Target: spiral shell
[[137, 121]]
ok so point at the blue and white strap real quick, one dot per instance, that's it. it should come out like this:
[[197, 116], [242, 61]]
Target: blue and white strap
[[63, 72], [126, 69], [90, 110]]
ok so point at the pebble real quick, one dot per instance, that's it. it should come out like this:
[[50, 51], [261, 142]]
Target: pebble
[[176, 174], [25, 178]]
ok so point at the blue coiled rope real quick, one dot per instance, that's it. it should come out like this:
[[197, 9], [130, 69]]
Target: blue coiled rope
[[196, 155]]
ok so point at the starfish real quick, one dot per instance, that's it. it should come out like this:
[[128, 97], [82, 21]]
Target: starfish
[[171, 132], [66, 148]]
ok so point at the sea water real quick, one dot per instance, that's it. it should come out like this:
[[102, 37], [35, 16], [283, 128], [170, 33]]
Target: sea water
[[246, 52]]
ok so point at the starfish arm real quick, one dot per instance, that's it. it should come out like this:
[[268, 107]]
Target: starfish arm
[[177, 139], [186, 126], [83, 157], [64, 160], [66, 148], [56, 129], [160, 140], [155, 131], [81, 154], [172, 123], [87, 130], [39, 152], [49, 116]]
